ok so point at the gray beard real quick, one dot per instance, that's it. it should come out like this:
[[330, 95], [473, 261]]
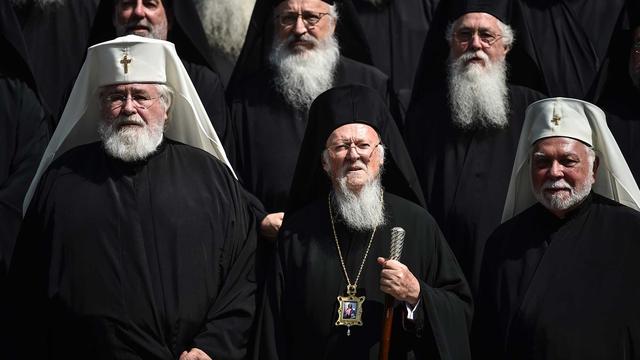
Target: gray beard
[[478, 97], [130, 143], [42, 4], [225, 23], [157, 32], [363, 211], [559, 203], [301, 77]]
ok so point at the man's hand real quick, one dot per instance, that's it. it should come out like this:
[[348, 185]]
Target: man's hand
[[397, 281], [270, 225], [194, 354]]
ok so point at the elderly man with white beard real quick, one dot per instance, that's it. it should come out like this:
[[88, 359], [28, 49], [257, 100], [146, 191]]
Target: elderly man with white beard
[[462, 139], [333, 249], [136, 243], [269, 104], [560, 276]]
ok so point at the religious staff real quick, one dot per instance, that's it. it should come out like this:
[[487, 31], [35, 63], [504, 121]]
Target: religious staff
[[353, 183]]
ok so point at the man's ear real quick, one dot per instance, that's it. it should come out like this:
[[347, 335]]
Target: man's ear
[[596, 163], [325, 165]]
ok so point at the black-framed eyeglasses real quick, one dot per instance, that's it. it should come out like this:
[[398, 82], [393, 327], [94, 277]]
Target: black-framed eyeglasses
[[363, 148], [140, 101], [309, 18], [465, 36]]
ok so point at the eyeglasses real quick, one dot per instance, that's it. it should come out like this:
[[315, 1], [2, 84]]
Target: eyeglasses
[[465, 36], [309, 18], [363, 149], [140, 102], [635, 48]]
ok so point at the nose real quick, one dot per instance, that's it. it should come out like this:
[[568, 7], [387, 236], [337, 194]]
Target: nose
[[127, 107], [475, 42], [299, 28], [352, 154], [556, 170], [139, 9]]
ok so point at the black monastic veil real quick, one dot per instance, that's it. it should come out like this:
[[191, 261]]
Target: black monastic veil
[[298, 313]]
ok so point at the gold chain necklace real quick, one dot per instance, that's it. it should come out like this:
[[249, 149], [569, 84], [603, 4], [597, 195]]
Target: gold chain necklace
[[349, 306]]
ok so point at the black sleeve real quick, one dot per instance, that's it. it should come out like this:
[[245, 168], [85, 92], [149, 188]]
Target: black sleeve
[[24, 135], [230, 319]]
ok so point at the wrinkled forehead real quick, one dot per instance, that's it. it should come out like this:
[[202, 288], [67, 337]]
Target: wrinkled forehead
[[301, 5], [477, 20], [353, 132], [559, 145], [129, 87]]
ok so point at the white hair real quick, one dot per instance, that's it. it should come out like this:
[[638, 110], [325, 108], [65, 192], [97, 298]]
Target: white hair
[[507, 32], [577, 194], [301, 77], [364, 210], [478, 96], [225, 23], [133, 143]]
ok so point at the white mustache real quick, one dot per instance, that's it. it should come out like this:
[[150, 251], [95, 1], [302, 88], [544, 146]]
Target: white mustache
[[469, 55], [557, 184], [304, 37], [129, 120]]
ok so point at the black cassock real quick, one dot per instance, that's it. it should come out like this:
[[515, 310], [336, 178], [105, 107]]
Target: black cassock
[[464, 174], [134, 260], [396, 31], [562, 288], [24, 132], [301, 302], [268, 132]]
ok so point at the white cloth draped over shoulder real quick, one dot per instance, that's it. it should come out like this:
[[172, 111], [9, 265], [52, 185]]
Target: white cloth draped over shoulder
[[579, 120], [130, 59]]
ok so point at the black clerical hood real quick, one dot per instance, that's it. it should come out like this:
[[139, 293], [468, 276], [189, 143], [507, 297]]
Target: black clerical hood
[[14, 61], [257, 44], [501, 9], [186, 30], [346, 105]]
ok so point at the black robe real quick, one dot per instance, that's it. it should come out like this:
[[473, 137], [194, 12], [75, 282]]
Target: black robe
[[268, 132], [57, 38], [134, 260], [24, 133], [298, 317], [396, 31], [562, 288], [464, 173]]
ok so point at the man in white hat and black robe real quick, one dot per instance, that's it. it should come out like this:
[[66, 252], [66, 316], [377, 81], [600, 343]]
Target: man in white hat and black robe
[[560, 276], [136, 242]]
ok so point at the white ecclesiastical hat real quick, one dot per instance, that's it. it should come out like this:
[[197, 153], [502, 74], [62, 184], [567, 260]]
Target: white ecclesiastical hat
[[130, 59], [579, 120]]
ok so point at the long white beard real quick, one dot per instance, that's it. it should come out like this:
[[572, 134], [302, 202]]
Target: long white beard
[[478, 97], [225, 23], [364, 210], [301, 77], [130, 143], [42, 4], [560, 201]]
